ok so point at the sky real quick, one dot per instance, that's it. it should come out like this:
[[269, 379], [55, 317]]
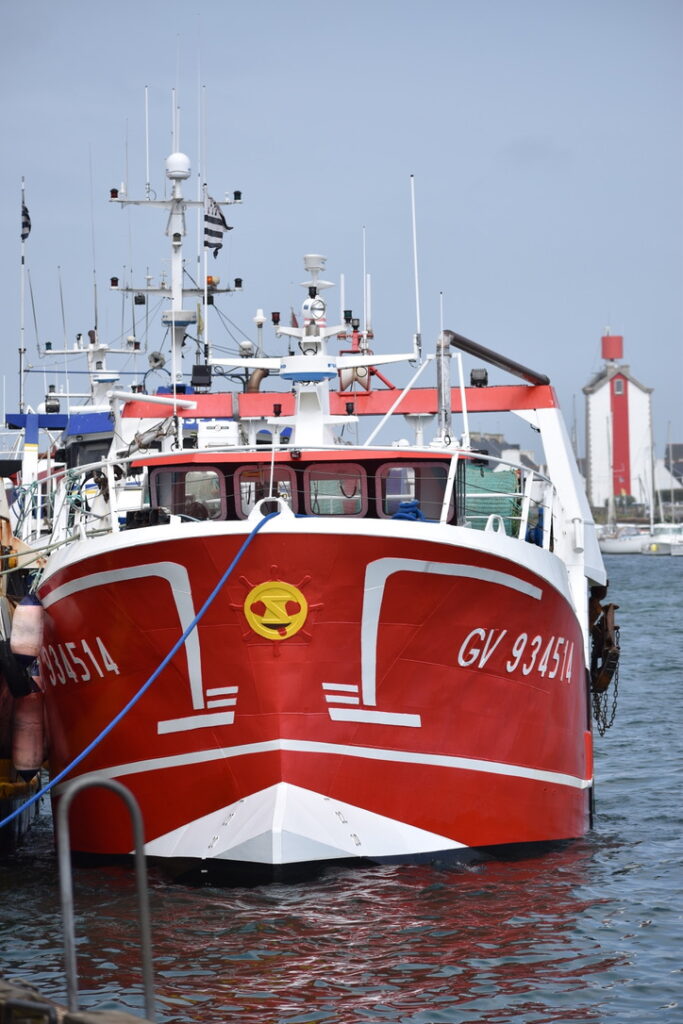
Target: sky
[[545, 138]]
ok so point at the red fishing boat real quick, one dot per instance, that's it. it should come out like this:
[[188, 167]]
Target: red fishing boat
[[298, 649]]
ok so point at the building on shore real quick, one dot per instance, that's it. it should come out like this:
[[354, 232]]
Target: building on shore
[[619, 448]]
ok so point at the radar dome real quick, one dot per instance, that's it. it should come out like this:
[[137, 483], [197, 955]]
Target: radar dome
[[178, 167]]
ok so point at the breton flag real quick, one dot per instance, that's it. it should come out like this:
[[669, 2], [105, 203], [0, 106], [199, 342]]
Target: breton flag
[[25, 222], [214, 226]]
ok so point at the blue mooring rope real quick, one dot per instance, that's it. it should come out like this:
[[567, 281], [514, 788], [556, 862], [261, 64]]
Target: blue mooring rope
[[143, 689]]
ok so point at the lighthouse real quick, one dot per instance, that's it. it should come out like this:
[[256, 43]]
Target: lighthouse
[[619, 456]]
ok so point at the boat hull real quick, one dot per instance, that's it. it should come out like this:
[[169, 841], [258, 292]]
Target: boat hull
[[663, 547], [632, 544], [343, 696]]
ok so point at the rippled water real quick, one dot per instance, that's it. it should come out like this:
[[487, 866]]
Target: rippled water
[[590, 934]]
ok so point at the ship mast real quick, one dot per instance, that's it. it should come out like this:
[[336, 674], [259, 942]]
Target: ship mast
[[177, 171], [311, 372]]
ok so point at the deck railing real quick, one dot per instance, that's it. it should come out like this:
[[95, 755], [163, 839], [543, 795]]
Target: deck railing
[[93, 499]]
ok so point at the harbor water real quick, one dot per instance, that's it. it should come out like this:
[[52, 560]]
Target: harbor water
[[590, 933]]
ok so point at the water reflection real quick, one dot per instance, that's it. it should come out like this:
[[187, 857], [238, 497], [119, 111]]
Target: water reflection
[[589, 934], [402, 944]]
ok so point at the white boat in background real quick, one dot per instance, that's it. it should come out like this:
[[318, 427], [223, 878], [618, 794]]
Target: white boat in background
[[665, 539], [624, 540]]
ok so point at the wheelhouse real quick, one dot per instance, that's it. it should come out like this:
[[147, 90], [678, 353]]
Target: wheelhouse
[[311, 483]]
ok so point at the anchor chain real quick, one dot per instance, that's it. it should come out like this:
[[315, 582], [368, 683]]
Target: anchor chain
[[603, 714], [605, 650]]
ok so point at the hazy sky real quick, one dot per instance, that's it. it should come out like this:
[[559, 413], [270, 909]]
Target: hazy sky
[[545, 136]]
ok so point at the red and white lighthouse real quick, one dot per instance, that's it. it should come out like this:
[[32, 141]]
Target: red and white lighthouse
[[619, 455]]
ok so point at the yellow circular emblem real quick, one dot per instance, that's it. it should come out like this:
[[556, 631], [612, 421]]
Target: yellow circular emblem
[[275, 609]]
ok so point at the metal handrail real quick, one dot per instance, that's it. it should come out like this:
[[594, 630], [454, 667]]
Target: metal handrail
[[87, 525], [66, 887]]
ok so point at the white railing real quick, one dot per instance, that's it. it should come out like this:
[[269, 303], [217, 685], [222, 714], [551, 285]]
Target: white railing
[[91, 500]]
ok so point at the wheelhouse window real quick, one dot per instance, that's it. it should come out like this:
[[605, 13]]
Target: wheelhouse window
[[423, 484], [192, 493], [335, 489], [252, 483]]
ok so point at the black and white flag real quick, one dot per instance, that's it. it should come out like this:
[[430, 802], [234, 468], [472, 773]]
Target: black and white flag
[[25, 222], [214, 226]]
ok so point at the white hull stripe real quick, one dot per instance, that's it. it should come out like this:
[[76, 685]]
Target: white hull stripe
[[342, 750], [177, 577], [376, 577], [209, 721], [373, 717]]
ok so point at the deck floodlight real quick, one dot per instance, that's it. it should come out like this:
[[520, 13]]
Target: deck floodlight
[[51, 400], [201, 376], [479, 377]]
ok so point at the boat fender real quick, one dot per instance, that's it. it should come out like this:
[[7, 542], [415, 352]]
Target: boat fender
[[6, 609], [28, 735], [14, 670], [27, 627]]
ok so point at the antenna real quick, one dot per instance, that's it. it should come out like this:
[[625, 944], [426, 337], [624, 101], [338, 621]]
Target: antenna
[[342, 298], [369, 294], [418, 330], [177, 90], [25, 231], [202, 194], [66, 341], [174, 145], [61, 301], [33, 308], [365, 287], [92, 232], [148, 186], [125, 161]]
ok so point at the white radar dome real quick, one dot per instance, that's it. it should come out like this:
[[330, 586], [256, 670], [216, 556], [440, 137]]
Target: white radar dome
[[178, 167], [314, 261]]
